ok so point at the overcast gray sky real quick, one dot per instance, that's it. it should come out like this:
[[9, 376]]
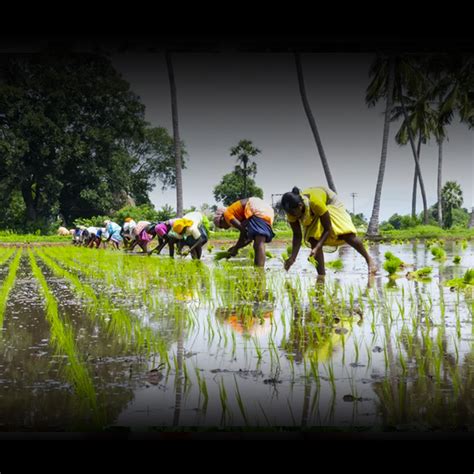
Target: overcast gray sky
[[226, 97]]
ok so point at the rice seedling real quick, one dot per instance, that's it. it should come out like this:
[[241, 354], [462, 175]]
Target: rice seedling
[[5, 256], [335, 264], [8, 283], [421, 274], [223, 398], [392, 264], [63, 339], [464, 282], [221, 255], [457, 260], [240, 402], [438, 253]]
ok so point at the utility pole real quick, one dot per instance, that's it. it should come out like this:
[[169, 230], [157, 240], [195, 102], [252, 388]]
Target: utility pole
[[353, 203]]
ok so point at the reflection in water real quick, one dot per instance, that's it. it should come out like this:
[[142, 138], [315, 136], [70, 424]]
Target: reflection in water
[[247, 302], [247, 320], [414, 369], [431, 389], [320, 326]]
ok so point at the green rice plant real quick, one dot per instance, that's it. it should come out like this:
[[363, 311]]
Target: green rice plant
[[210, 248], [5, 256], [464, 282], [335, 264], [438, 253], [8, 283], [392, 263], [223, 398], [202, 389], [240, 402], [100, 306], [257, 347], [268, 254], [420, 274], [221, 255], [356, 349], [468, 278], [251, 254], [63, 339], [457, 260], [391, 267]]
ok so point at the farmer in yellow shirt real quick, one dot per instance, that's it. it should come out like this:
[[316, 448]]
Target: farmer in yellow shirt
[[317, 216]]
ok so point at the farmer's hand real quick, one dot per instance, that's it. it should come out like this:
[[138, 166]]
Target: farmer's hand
[[289, 263], [232, 251]]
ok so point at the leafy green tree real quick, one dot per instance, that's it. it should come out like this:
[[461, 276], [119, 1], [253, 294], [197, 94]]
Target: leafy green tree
[[452, 199], [153, 160], [232, 188], [246, 168], [70, 137], [144, 212]]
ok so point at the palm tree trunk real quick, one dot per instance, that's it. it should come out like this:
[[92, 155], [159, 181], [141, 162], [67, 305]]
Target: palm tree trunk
[[245, 179], [415, 156], [440, 173], [176, 139], [312, 123], [373, 228], [415, 182]]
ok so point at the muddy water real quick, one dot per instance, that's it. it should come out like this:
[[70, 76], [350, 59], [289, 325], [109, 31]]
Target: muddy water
[[390, 355]]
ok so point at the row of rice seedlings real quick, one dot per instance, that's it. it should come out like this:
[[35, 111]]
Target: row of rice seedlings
[[142, 293], [101, 307], [105, 275], [430, 386], [5, 255], [8, 284], [180, 277], [62, 337]]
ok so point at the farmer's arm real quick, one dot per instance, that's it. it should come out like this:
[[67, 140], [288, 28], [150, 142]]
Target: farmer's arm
[[296, 243], [198, 242], [243, 239]]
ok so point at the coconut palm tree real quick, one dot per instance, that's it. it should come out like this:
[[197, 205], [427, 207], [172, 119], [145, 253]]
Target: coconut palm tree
[[176, 139], [402, 98], [452, 199], [454, 90], [244, 150], [422, 119], [382, 85], [312, 123]]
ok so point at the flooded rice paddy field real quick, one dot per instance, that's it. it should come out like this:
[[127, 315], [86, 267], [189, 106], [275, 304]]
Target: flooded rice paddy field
[[101, 340]]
